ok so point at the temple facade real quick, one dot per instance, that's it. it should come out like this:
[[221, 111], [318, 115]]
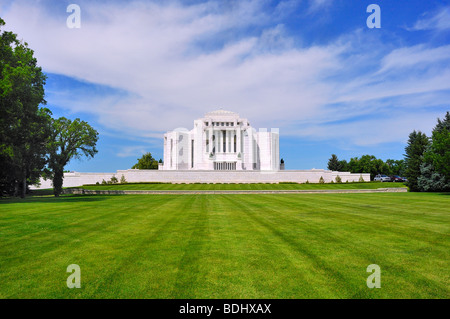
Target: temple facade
[[222, 140], [221, 148]]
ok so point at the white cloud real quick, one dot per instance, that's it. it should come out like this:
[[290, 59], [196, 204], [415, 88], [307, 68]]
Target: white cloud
[[129, 151], [418, 55], [387, 130], [286, 7], [315, 5], [439, 20], [177, 62]]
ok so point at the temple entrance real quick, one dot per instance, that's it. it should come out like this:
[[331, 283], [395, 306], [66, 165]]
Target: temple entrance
[[224, 166]]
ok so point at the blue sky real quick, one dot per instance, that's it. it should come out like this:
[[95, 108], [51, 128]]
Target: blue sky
[[311, 68]]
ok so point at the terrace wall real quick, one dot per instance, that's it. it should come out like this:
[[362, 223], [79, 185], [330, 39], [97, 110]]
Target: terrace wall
[[189, 176]]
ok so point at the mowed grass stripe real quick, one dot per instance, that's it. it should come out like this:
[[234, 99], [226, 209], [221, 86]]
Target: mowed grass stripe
[[373, 238], [220, 255], [319, 245], [188, 276], [257, 264], [154, 257], [302, 272], [226, 246], [383, 206], [249, 186], [81, 238]]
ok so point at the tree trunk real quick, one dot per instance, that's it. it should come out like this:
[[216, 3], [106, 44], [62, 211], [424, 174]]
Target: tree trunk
[[24, 184], [16, 188], [57, 182]]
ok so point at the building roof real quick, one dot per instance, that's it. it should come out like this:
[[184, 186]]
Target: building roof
[[221, 113]]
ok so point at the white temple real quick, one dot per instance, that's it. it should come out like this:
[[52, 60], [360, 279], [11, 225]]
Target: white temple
[[221, 148], [221, 140]]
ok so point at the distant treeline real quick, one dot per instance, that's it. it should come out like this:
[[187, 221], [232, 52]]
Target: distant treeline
[[426, 164]]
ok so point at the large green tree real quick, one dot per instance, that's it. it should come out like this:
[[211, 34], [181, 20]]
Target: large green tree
[[435, 169], [334, 164], [439, 152], [24, 125], [418, 142], [146, 162], [70, 139]]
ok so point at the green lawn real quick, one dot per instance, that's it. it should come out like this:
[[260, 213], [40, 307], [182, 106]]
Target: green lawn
[[226, 246], [255, 186]]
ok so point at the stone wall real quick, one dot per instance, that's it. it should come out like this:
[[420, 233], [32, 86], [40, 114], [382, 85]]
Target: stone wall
[[188, 176]]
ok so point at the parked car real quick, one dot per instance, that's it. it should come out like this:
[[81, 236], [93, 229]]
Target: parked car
[[382, 178], [397, 178]]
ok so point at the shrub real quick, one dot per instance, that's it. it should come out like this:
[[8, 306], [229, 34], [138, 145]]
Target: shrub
[[361, 179], [123, 180], [104, 182], [307, 182], [321, 180], [114, 180], [338, 179]]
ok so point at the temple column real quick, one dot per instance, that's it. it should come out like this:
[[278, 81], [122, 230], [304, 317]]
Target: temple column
[[225, 149], [227, 135], [224, 144], [227, 141], [238, 141], [210, 140], [250, 147], [217, 141]]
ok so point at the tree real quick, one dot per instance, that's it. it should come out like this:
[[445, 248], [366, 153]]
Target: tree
[[70, 139], [368, 164], [24, 125], [439, 151], [415, 149], [435, 169], [430, 180], [343, 166], [30, 155], [353, 165], [146, 162], [396, 167], [333, 163]]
